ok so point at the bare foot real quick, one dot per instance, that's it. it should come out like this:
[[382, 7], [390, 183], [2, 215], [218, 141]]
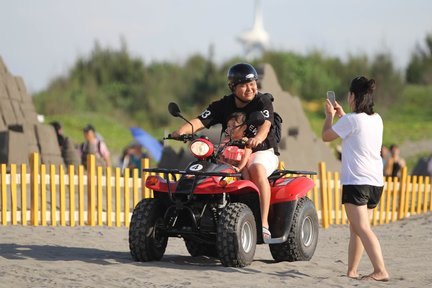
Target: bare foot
[[383, 277], [353, 275]]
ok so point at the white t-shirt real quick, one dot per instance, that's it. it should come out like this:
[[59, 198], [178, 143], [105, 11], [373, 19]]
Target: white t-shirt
[[361, 145]]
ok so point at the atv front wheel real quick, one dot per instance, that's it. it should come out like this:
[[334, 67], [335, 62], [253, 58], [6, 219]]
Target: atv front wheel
[[236, 235], [303, 236], [146, 241]]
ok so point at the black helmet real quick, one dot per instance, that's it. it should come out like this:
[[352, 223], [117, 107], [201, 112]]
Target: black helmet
[[241, 73]]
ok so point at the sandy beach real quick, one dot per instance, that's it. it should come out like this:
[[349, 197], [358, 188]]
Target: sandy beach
[[99, 257]]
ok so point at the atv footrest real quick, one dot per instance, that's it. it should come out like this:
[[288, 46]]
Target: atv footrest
[[275, 240]]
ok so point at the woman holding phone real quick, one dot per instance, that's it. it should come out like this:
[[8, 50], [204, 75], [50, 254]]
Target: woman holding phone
[[362, 171]]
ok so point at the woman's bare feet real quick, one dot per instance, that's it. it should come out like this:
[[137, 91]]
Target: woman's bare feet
[[383, 277]]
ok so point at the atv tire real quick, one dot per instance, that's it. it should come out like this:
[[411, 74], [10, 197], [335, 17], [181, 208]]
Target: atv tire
[[196, 249], [236, 235], [303, 236], [146, 241]]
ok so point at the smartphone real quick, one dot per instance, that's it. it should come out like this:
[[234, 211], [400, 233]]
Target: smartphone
[[332, 97]]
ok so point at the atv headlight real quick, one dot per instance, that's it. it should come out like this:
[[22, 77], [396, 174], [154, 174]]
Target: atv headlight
[[201, 148]]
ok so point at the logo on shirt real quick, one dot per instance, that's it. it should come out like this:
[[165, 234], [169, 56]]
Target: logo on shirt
[[205, 114], [265, 113]]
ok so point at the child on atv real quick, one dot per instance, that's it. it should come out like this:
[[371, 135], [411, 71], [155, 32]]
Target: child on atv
[[233, 155]]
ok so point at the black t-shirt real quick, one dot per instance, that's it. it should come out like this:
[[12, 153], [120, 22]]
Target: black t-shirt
[[220, 111]]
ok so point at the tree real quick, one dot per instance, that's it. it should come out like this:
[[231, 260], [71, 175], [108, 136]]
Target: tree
[[419, 70]]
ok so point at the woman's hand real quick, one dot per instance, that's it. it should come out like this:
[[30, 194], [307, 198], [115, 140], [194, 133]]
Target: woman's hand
[[339, 110], [329, 110]]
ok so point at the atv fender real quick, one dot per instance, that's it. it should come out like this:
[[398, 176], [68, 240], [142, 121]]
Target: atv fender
[[280, 218], [290, 189]]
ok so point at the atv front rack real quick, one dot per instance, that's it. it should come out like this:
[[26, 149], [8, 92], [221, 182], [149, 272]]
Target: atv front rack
[[198, 176], [174, 172]]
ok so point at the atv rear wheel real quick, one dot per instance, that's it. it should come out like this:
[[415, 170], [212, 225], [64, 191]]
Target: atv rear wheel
[[303, 236], [196, 249], [146, 240], [236, 235]]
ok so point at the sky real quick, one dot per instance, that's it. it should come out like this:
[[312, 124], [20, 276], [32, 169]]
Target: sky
[[41, 40]]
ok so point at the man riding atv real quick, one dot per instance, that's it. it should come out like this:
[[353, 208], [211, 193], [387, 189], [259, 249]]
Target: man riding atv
[[215, 209], [242, 81]]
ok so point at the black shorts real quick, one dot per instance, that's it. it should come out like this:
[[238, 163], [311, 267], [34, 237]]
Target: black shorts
[[362, 195]]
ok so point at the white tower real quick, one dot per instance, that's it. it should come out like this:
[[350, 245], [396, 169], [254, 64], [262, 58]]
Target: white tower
[[255, 40]]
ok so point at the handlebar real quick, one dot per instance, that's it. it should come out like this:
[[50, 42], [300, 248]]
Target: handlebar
[[184, 138]]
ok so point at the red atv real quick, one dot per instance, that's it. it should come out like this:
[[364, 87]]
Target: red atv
[[218, 214]]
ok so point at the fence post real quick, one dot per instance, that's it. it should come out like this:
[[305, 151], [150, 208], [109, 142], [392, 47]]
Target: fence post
[[14, 199], [145, 163], [402, 193], [420, 195], [323, 188], [53, 195], [126, 200], [117, 197], [62, 191], [71, 174], [108, 197], [34, 174], [91, 190], [81, 195], [388, 200], [281, 165], [3, 194], [99, 196], [414, 192], [427, 193], [337, 198], [135, 187], [329, 199], [24, 195]]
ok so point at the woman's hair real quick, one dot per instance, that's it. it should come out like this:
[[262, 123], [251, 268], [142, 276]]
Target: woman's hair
[[363, 89]]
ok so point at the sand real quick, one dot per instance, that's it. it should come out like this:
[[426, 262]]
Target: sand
[[99, 257]]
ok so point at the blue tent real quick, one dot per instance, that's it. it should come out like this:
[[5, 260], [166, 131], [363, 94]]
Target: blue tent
[[151, 144]]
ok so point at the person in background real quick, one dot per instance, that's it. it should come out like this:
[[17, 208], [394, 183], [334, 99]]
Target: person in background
[[132, 157], [69, 152], [362, 172], [94, 145], [395, 163], [429, 166], [385, 155]]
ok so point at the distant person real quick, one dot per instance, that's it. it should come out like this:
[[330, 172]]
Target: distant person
[[68, 150], [429, 166], [96, 146], [362, 172], [385, 155], [233, 155], [395, 163], [132, 157]]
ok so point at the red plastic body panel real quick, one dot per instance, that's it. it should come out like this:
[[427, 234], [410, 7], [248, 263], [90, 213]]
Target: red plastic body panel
[[289, 189], [283, 190], [209, 186]]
